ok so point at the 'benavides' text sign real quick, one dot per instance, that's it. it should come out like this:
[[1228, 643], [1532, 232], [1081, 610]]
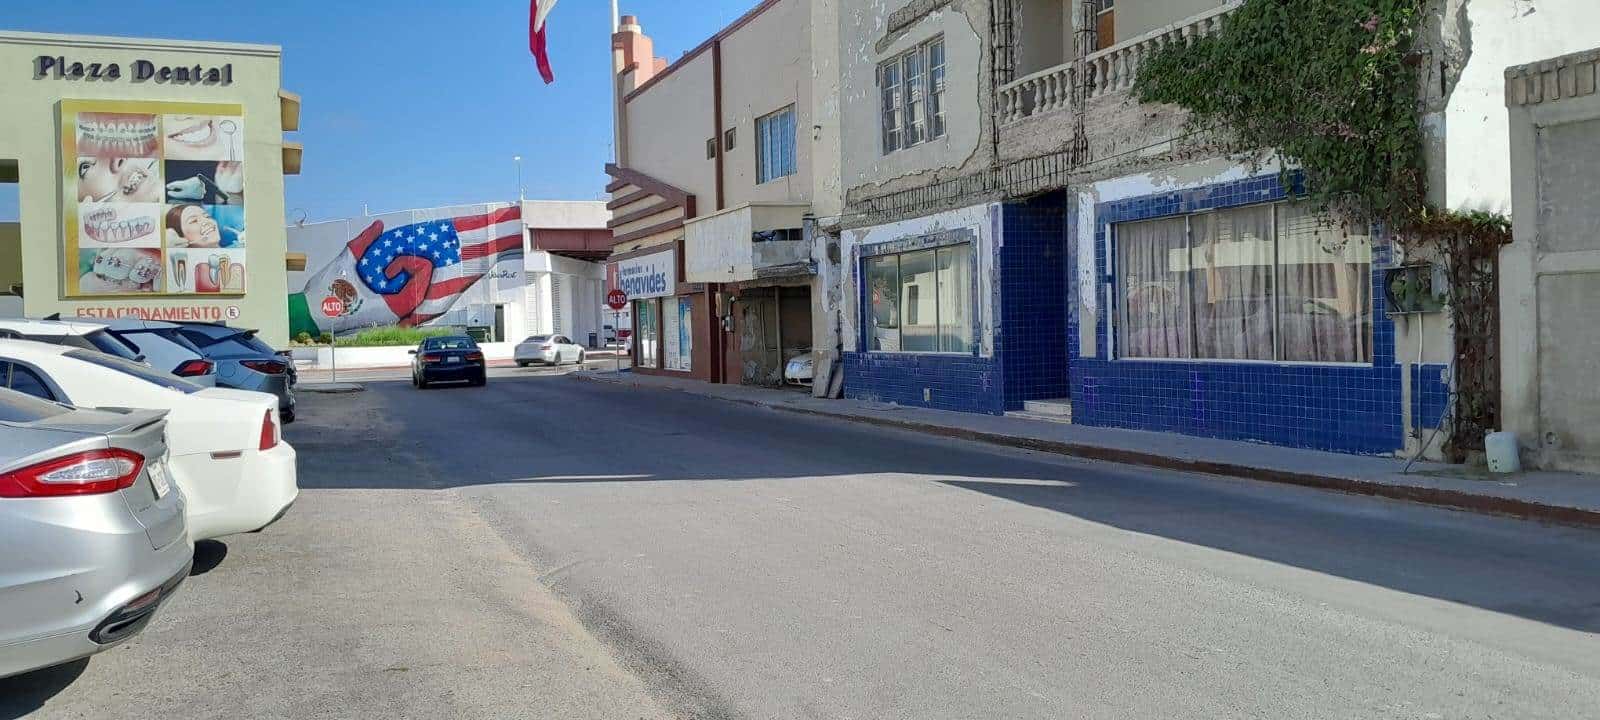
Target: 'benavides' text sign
[[644, 277], [60, 67]]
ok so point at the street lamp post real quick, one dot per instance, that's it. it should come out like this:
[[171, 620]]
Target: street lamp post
[[521, 193]]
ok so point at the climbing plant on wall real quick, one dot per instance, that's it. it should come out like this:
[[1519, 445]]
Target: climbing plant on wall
[[1331, 86], [1327, 83]]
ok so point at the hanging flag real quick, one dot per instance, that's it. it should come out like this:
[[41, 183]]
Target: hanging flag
[[538, 10]]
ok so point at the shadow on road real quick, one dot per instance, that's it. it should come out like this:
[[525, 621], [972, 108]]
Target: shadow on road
[[27, 693], [561, 431], [208, 554]]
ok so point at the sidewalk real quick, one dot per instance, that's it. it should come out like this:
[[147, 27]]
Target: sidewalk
[[1569, 498]]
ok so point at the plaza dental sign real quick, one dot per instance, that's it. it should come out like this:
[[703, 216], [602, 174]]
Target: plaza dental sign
[[58, 67]]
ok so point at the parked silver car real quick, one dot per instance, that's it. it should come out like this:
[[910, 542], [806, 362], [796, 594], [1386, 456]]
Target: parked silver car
[[163, 347], [244, 362], [92, 526]]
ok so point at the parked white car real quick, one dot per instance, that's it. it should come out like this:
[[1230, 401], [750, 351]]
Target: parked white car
[[548, 350], [800, 369], [227, 452]]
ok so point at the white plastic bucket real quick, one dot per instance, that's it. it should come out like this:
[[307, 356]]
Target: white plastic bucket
[[1501, 450]]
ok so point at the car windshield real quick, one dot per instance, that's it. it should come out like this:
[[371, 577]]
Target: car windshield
[[143, 372], [449, 343], [538, 339], [19, 408]]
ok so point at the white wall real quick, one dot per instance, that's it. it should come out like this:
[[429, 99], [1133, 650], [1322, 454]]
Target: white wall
[[1502, 33]]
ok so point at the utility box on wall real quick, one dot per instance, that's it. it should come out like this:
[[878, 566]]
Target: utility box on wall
[[1415, 289]]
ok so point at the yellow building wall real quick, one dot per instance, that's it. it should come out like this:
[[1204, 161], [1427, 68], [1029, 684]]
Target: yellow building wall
[[30, 134]]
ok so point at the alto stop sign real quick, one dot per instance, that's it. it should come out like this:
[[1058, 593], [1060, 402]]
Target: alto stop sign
[[617, 299], [332, 306]]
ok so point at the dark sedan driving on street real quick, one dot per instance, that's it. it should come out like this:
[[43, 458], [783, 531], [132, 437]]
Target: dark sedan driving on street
[[454, 358]]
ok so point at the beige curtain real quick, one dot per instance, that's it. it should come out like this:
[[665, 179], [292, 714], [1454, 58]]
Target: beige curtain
[[1325, 281], [1152, 276], [1231, 283]]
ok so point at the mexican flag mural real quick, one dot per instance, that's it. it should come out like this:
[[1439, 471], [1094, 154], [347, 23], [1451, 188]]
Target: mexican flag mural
[[406, 269]]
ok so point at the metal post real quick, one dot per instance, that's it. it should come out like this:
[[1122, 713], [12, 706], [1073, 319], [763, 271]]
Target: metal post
[[616, 321], [521, 192]]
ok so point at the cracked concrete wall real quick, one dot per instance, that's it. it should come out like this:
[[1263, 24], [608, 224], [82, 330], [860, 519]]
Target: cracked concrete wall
[[866, 39], [1468, 44]]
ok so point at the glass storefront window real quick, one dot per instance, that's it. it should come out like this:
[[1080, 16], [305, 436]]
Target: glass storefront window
[[647, 319]]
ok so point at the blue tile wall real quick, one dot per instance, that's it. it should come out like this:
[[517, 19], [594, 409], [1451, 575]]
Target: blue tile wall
[[964, 383], [1034, 299], [1430, 395], [1341, 408]]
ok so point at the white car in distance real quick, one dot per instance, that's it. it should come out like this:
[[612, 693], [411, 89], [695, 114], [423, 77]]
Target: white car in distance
[[547, 350], [226, 450]]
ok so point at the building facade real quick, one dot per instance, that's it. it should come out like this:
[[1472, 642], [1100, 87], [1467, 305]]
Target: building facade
[[1020, 233], [150, 177], [711, 193], [539, 274]]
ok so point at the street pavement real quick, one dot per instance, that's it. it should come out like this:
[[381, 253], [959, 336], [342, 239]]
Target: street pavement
[[546, 547]]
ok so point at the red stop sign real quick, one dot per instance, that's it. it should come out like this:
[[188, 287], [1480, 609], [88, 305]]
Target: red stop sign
[[332, 307], [617, 299]]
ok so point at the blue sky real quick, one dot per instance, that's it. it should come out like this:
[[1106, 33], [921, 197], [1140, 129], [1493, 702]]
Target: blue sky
[[417, 103]]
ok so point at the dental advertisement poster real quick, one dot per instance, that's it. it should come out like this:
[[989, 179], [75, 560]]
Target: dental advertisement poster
[[153, 198]]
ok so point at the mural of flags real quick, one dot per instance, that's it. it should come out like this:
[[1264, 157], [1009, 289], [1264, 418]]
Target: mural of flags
[[538, 11], [407, 274]]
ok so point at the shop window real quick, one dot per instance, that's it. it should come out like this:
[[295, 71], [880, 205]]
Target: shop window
[[1265, 282], [775, 145], [677, 325], [647, 321], [920, 301]]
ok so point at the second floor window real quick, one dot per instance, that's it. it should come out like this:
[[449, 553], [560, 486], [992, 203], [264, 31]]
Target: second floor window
[[912, 89], [775, 145]]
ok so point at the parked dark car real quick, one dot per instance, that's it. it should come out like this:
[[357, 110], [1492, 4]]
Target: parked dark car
[[453, 358], [245, 362]]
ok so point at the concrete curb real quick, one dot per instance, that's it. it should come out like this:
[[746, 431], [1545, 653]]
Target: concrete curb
[[330, 388], [1452, 499]]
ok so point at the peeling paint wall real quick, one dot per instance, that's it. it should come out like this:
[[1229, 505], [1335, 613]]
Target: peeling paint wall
[[865, 41], [1490, 36]]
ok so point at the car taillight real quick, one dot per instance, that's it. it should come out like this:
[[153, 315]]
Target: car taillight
[[432, 358], [269, 432], [194, 368], [474, 356], [265, 366], [86, 473]]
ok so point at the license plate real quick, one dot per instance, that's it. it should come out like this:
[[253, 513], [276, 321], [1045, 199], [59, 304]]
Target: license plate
[[452, 358], [159, 479]]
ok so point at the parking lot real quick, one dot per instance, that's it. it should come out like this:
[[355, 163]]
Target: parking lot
[[399, 602], [546, 547]]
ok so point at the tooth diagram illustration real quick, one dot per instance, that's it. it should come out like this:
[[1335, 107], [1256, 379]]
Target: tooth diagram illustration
[[117, 224]]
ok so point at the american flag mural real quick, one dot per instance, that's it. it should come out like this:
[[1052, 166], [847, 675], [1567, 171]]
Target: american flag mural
[[405, 273]]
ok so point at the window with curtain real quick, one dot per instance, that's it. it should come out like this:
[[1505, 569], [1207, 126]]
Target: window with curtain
[[920, 301], [911, 89], [1263, 282], [1153, 271], [775, 145]]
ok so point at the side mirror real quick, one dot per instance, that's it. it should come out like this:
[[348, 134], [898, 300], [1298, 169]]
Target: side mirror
[[411, 352]]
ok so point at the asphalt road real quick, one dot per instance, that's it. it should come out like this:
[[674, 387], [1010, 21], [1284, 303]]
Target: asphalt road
[[548, 547]]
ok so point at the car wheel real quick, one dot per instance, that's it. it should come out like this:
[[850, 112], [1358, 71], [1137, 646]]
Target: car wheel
[[481, 380], [286, 416], [580, 357], [422, 384], [521, 364]]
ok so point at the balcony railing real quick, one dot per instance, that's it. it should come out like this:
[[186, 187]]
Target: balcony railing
[[1110, 70]]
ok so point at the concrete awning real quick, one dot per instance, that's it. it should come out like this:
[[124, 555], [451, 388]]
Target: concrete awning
[[721, 247]]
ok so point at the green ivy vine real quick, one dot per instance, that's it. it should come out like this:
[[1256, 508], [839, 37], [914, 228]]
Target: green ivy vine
[[1331, 84]]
